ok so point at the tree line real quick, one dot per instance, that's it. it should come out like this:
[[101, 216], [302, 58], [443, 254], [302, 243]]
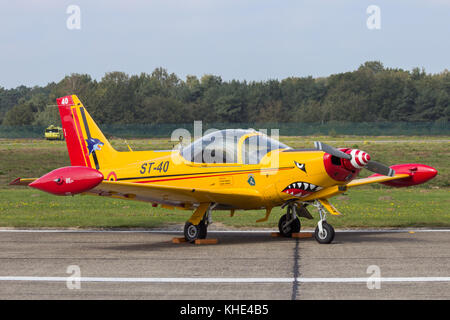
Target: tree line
[[372, 93]]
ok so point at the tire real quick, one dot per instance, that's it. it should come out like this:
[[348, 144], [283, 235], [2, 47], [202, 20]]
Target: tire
[[193, 232], [294, 227], [328, 233], [203, 230]]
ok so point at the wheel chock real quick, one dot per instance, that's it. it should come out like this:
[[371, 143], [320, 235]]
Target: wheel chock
[[294, 235], [302, 235], [275, 234], [206, 241], [178, 240]]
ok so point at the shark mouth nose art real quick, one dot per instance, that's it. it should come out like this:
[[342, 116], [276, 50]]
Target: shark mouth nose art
[[301, 189]]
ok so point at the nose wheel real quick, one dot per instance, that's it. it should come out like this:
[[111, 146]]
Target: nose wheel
[[324, 232], [326, 235]]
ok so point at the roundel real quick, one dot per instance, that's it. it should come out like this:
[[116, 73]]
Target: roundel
[[111, 176]]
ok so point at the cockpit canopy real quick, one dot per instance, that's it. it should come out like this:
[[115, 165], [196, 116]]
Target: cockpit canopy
[[231, 146]]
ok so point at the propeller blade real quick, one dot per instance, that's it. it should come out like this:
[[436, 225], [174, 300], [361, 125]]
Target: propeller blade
[[380, 168], [331, 150]]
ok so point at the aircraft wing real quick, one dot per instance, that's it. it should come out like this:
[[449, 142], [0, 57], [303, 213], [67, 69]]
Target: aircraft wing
[[176, 196], [334, 190], [377, 179]]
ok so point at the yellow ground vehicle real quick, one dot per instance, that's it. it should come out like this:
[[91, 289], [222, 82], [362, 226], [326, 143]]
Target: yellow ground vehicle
[[54, 133]]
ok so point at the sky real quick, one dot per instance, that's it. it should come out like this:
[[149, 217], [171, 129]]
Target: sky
[[249, 40]]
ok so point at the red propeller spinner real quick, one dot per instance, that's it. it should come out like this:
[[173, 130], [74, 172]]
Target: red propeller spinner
[[359, 159]]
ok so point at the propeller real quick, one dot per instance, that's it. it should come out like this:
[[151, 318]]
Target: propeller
[[331, 150], [380, 168], [373, 166]]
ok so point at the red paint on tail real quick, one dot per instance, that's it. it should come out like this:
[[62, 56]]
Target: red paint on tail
[[74, 146]]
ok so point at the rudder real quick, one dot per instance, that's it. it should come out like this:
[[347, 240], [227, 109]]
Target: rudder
[[86, 144]]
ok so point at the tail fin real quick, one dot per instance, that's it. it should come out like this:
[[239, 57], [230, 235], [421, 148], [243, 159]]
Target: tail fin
[[86, 144]]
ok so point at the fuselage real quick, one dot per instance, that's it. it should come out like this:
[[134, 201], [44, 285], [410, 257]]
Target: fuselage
[[281, 175]]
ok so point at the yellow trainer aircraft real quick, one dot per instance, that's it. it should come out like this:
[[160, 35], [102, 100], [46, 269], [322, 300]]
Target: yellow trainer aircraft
[[224, 170]]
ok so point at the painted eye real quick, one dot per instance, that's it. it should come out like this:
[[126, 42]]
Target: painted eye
[[301, 166]]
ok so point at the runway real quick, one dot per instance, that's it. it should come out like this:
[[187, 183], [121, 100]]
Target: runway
[[373, 264]]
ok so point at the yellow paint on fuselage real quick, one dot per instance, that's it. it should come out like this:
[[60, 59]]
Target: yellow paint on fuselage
[[169, 168], [268, 178]]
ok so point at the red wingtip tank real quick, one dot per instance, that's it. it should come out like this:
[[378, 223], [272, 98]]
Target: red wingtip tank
[[418, 173], [68, 180]]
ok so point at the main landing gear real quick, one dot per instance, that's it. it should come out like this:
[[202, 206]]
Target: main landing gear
[[193, 232], [197, 226], [289, 223]]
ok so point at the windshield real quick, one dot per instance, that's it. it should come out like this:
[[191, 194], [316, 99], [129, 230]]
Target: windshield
[[216, 147], [223, 147], [255, 148]]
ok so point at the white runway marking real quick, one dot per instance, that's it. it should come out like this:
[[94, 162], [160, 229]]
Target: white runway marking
[[214, 231], [227, 280]]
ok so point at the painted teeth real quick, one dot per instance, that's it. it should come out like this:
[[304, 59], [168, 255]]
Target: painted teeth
[[304, 186]]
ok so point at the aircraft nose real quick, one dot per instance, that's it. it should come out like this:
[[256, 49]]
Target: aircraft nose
[[359, 158]]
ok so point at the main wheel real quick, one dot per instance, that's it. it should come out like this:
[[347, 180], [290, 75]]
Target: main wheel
[[327, 234], [286, 230], [193, 232]]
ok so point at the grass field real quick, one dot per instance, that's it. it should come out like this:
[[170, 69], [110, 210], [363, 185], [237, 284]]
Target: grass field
[[360, 208], [376, 206]]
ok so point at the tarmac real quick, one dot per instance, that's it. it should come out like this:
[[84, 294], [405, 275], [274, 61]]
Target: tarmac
[[93, 264]]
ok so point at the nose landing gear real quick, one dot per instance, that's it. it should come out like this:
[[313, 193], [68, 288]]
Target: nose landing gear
[[289, 223], [324, 232], [326, 235]]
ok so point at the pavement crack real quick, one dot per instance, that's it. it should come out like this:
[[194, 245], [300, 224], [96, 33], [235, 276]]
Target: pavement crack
[[296, 270]]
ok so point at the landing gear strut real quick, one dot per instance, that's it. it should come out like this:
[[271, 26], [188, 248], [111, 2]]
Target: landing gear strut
[[289, 223], [324, 232], [197, 226]]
